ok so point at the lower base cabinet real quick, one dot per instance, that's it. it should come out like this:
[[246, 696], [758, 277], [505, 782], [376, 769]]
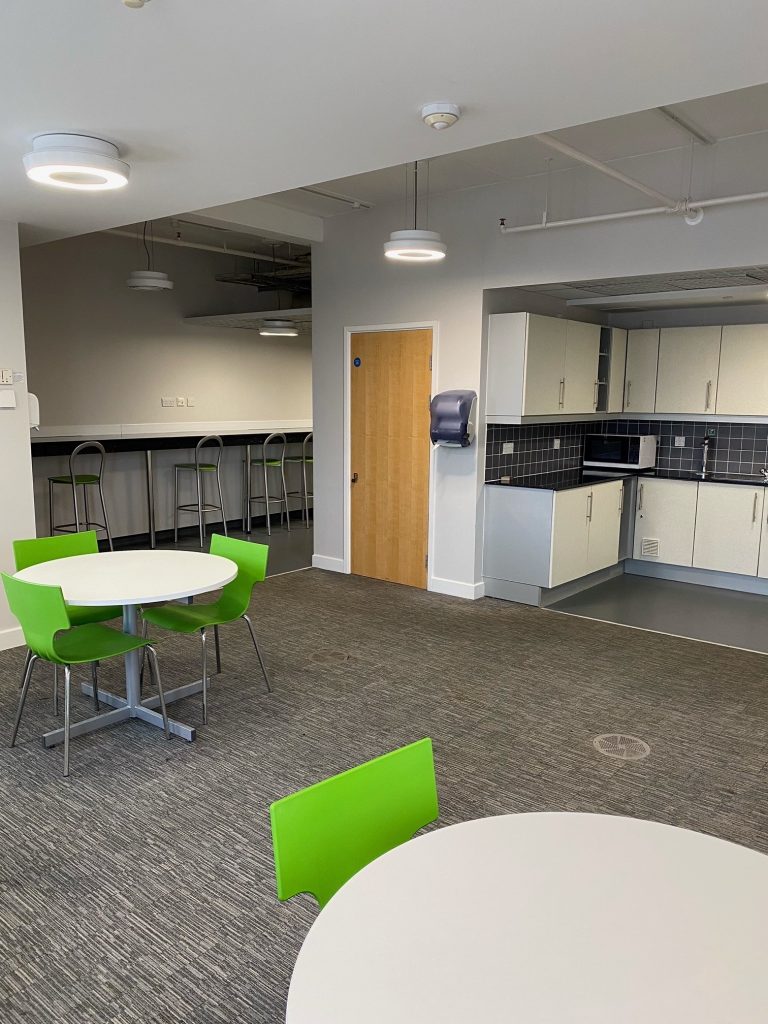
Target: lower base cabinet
[[585, 530], [665, 521], [728, 525]]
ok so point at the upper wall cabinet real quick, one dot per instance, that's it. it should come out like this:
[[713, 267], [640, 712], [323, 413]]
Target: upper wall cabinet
[[541, 366], [743, 384], [642, 366], [688, 365]]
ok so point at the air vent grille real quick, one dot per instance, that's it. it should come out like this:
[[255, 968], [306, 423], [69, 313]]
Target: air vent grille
[[649, 548]]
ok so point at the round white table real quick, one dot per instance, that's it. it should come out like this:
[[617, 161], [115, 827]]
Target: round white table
[[132, 578], [543, 919]]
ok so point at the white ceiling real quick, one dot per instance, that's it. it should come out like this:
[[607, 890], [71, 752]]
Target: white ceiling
[[737, 113], [214, 101]]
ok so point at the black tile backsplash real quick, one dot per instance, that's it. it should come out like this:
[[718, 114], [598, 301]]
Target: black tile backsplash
[[735, 448]]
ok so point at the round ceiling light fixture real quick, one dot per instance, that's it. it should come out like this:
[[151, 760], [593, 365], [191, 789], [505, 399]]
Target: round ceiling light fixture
[[77, 162], [278, 329], [440, 115], [149, 281], [136, 4], [693, 215], [415, 246]]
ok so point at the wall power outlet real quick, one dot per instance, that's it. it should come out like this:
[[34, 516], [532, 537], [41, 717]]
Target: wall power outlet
[[167, 402], [508, 448]]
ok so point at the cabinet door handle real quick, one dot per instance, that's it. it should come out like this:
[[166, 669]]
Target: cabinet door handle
[[589, 507], [561, 399], [627, 386], [754, 509], [621, 499], [640, 502], [708, 396], [597, 386]]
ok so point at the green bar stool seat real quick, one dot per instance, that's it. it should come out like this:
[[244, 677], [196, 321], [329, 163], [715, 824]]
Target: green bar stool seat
[[201, 470], [264, 463], [306, 461], [73, 480], [50, 636], [325, 834], [251, 561]]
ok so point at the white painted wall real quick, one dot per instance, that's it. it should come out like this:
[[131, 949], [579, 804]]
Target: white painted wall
[[16, 508], [354, 285], [101, 354]]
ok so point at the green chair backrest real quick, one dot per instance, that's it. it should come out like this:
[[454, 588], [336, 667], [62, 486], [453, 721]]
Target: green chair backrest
[[46, 549], [325, 834], [251, 562], [42, 613]]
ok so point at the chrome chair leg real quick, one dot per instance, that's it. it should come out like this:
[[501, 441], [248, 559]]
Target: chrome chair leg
[[87, 523], [67, 688], [176, 505], [74, 502], [221, 501], [198, 476], [95, 682], [155, 669], [306, 491], [24, 670], [50, 508], [217, 648], [258, 653], [266, 496], [204, 644], [106, 517], [56, 690], [285, 501], [23, 696], [144, 634]]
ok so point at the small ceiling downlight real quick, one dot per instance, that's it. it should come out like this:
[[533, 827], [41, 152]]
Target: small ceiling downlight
[[76, 162]]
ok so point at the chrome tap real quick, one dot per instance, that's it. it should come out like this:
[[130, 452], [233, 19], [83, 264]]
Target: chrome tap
[[764, 474], [704, 458]]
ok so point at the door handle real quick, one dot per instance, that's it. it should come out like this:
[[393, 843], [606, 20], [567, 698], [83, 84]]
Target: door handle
[[754, 509], [597, 387], [589, 507], [354, 478], [621, 499], [627, 386], [640, 496], [561, 399], [707, 396]]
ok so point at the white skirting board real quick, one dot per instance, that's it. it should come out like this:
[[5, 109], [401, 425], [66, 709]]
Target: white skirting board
[[329, 563], [455, 588], [12, 637]]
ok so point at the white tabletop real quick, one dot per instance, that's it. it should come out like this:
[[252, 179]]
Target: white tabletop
[[543, 919], [132, 577]]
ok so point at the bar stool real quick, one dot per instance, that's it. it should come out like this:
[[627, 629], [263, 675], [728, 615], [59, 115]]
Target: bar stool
[[199, 469], [266, 463], [304, 460], [84, 480]]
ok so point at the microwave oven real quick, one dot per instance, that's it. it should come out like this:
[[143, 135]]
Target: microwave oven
[[620, 451]]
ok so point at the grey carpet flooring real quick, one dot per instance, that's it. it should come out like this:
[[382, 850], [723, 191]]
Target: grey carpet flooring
[[141, 891]]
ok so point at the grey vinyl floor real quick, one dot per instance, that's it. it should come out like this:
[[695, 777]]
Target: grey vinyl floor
[[681, 609], [141, 890]]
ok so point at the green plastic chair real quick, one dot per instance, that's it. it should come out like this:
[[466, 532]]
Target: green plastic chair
[[50, 636], [251, 560], [325, 834]]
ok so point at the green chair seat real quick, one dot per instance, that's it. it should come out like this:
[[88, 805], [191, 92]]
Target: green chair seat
[[325, 834], [185, 618], [80, 616], [83, 644], [268, 462], [204, 467], [299, 459], [80, 478]]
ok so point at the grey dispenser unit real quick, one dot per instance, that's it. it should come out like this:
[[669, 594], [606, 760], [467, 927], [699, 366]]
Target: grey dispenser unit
[[453, 416]]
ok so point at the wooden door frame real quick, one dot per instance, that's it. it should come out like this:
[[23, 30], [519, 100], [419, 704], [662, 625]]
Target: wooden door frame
[[421, 325]]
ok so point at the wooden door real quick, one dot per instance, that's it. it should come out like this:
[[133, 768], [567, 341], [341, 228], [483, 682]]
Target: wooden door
[[642, 363], [728, 524], [688, 362], [665, 521], [544, 366], [604, 525], [743, 385], [582, 352], [391, 380]]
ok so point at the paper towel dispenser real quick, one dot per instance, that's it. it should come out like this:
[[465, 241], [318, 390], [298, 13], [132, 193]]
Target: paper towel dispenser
[[452, 418]]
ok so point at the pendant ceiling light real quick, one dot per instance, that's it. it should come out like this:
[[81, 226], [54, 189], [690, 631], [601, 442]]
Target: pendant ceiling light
[[415, 245], [149, 280], [278, 329], [76, 162]]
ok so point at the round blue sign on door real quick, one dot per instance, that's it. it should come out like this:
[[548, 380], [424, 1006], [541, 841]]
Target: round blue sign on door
[[357, 360]]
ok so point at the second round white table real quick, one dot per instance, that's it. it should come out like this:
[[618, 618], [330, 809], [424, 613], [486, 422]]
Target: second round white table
[[548, 918], [130, 579]]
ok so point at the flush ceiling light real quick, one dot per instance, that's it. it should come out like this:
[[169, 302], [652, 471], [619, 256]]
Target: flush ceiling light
[[440, 115], [77, 162], [278, 329], [135, 3], [149, 281], [415, 245]]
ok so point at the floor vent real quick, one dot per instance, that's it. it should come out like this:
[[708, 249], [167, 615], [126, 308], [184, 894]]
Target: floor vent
[[649, 547], [625, 748]]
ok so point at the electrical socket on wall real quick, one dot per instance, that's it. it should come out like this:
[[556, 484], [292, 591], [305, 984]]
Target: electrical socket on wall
[[556, 444], [167, 402], [181, 401], [679, 441], [508, 448], [191, 401]]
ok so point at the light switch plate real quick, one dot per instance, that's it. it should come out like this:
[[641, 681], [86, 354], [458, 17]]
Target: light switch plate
[[6, 376], [191, 401], [167, 402], [679, 441], [508, 448], [7, 398], [556, 444]]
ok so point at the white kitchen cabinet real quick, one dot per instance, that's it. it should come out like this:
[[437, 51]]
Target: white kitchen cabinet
[[544, 366], [728, 524], [665, 521], [604, 525], [570, 535], [762, 562], [688, 369], [743, 381], [642, 366], [616, 360], [582, 352]]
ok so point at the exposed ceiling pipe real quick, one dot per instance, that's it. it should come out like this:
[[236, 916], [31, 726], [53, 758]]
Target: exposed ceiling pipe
[[611, 172], [223, 250], [693, 206], [356, 204], [687, 126]]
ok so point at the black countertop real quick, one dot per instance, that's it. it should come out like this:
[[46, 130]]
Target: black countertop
[[711, 478], [565, 479]]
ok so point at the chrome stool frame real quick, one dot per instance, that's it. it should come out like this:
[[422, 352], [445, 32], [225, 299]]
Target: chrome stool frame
[[266, 463], [304, 460], [84, 480], [199, 469]]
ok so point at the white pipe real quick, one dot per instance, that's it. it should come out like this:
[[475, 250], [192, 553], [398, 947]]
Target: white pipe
[[259, 257], [598, 165], [626, 214]]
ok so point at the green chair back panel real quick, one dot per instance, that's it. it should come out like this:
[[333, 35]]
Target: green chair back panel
[[47, 549], [325, 834], [41, 612], [251, 561]]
